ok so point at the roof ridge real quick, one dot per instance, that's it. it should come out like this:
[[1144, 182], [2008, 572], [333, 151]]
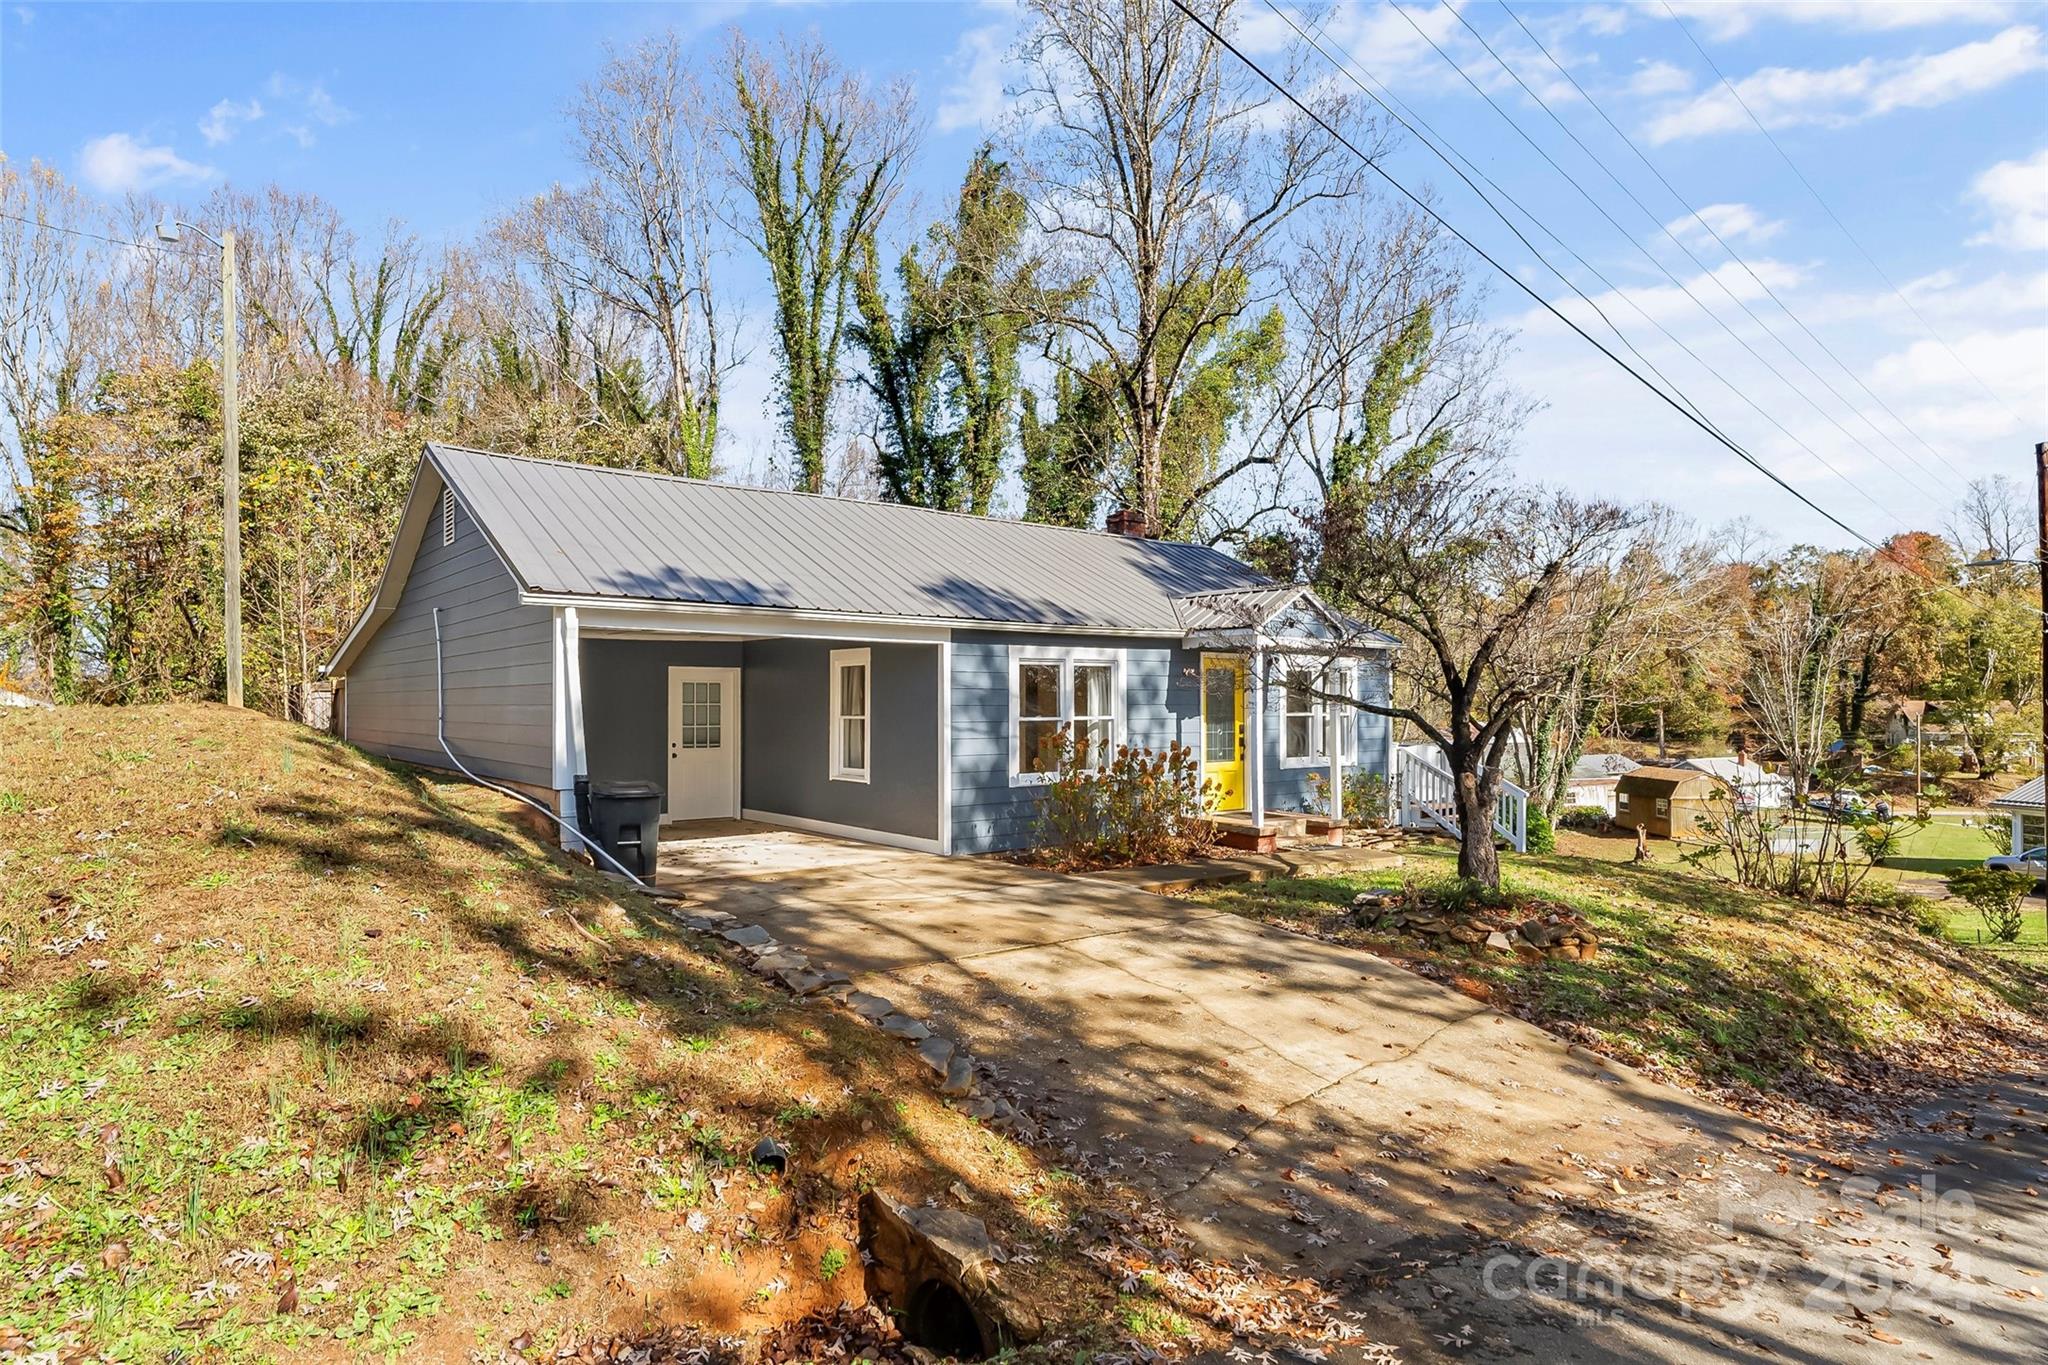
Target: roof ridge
[[982, 518]]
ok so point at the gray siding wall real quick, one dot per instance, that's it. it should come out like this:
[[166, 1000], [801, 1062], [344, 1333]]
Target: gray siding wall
[[625, 702], [1162, 704], [498, 660], [784, 755]]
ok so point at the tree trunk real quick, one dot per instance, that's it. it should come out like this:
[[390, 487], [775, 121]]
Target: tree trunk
[[1477, 793]]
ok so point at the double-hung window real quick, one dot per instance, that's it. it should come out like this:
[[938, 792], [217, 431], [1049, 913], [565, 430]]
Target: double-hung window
[[1305, 713], [850, 715], [1056, 693]]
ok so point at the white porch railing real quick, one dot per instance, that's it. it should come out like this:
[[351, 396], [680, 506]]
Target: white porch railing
[[1426, 797]]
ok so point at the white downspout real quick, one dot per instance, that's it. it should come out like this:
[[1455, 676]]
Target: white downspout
[[1255, 725], [1332, 750]]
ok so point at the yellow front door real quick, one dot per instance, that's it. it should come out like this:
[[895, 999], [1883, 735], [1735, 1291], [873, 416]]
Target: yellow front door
[[1223, 730]]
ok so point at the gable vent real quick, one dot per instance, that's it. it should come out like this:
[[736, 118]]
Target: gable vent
[[447, 516]]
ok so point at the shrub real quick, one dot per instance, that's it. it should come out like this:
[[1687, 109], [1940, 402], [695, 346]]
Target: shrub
[[1929, 917], [1538, 835], [1583, 817], [1939, 763], [1365, 798], [1996, 894], [1145, 806]]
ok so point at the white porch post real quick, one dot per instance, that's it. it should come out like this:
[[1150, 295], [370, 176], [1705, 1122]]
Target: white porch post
[[1255, 737], [1331, 748], [2019, 834], [570, 761]]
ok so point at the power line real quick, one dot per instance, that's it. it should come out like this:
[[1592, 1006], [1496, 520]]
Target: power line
[[1645, 252], [1514, 279], [97, 237], [1786, 157], [1408, 118], [1676, 396], [1761, 283]]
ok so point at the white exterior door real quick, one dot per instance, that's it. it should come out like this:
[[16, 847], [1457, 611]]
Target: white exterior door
[[703, 744]]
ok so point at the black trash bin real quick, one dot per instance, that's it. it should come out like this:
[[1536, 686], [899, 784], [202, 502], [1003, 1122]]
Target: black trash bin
[[627, 821]]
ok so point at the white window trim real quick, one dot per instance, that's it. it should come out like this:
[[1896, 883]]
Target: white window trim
[[837, 770], [1347, 724], [447, 516], [1066, 658]]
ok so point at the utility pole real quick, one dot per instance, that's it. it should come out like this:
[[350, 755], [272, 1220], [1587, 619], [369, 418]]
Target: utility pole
[[2041, 568], [231, 473]]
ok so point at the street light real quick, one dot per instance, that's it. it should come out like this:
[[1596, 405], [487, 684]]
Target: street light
[[169, 230]]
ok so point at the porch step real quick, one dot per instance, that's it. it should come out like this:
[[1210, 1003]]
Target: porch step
[[1237, 829]]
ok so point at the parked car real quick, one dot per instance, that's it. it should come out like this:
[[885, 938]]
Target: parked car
[[2032, 863], [1834, 803]]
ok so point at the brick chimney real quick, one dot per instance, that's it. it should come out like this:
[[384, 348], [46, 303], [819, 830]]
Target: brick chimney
[[1128, 521]]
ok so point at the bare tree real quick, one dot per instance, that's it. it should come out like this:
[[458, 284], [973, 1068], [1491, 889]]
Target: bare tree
[[644, 233], [1795, 655], [1165, 172], [821, 157], [1994, 520]]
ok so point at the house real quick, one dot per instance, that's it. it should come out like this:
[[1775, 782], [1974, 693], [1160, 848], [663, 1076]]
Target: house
[[864, 669], [1668, 803], [1593, 778], [2023, 807], [1752, 783]]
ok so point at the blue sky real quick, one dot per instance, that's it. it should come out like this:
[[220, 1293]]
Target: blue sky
[[1925, 128]]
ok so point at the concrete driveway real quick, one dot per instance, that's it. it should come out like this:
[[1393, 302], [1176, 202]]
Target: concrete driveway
[[1469, 1186], [1296, 1100]]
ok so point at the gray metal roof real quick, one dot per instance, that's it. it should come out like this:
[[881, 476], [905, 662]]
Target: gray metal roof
[[587, 531], [2026, 796]]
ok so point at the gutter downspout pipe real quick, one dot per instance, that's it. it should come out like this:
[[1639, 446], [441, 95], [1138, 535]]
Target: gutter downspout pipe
[[441, 734]]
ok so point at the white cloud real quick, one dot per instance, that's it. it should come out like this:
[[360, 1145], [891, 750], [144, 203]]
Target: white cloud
[[980, 62], [1659, 78], [2016, 195], [305, 103], [118, 163], [221, 121], [1731, 222], [1838, 96], [1733, 18]]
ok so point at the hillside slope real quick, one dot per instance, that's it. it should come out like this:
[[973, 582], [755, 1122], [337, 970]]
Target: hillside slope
[[302, 1054]]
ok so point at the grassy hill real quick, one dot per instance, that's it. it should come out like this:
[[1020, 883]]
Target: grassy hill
[[1799, 1012], [306, 1055]]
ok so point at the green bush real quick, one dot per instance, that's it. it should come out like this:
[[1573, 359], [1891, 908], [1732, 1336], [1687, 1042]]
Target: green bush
[[1996, 894], [1584, 817], [1539, 836], [1939, 763], [1929, 917]]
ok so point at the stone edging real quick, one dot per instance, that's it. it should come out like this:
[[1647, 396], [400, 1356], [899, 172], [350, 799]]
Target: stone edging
[[961, 1078]]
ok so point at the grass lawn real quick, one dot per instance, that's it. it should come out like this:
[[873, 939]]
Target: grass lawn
[[1966, 925], [308, 1056], [1759, 999], [1945, 844]]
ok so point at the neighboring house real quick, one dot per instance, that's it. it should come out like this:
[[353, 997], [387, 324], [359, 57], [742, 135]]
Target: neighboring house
[[2023, 807], [866, 669], [1751, 782], [1668, 802], [1593, 779]]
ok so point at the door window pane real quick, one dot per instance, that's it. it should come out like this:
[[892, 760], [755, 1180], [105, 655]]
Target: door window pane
[[1219, 715], [702, 714]]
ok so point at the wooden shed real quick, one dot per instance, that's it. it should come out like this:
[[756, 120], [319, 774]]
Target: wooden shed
[[1668, 802]]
